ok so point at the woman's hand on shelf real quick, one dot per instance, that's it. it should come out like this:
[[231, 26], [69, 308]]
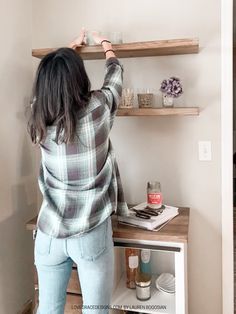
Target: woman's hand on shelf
[[79, 40], [98, 38], [106, 44]]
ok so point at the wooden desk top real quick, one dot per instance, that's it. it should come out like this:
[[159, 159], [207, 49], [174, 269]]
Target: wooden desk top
[[175, 231]]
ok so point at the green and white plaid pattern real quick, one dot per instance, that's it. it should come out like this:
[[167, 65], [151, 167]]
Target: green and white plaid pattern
[[80, 181]]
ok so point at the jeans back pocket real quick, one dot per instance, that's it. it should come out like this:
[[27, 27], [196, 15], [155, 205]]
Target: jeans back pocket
[[94, 242]]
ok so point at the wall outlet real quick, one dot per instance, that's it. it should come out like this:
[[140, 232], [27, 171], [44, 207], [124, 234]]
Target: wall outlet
[[204, 150]]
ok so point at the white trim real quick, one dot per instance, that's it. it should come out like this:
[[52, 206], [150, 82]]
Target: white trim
[[181, 281], [227, 155], [151, 242]]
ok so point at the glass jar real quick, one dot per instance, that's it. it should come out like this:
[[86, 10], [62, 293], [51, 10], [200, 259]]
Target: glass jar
[[145, 100], [116, 38], [89, 38], [143, 286], [154, 195], [127, 99]]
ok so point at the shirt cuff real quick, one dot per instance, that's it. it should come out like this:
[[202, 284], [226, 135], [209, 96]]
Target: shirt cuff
[[112, 60]]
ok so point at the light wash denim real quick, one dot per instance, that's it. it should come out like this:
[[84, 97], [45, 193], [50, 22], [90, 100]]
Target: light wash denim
[[93, 252]]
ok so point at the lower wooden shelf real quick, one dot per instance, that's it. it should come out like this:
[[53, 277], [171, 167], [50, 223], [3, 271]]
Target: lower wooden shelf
[[125, 299], [174, 111]]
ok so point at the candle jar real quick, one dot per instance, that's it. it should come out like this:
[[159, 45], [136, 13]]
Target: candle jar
[[145, 100], [127, 99], [143, 286], [154, 195]]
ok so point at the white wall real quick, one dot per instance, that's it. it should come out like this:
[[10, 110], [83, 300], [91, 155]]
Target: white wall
[[17, 175], [227, 70], [162, 148]]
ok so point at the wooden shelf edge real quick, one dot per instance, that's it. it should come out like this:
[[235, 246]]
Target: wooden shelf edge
[[175, 231], [177, 111], [135, 49], [31, 224]]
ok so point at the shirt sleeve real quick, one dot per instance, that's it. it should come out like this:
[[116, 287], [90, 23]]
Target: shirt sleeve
[[112, 86]]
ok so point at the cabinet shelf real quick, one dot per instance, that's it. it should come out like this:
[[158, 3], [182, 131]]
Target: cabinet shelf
[[135, 49], [159, 302], [176, 111]]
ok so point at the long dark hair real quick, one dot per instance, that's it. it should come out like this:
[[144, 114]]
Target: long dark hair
[[61, 90]]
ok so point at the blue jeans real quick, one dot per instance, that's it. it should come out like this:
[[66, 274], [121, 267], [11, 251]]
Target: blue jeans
[[93, 252]]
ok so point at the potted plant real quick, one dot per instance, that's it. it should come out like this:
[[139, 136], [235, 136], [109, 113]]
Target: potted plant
[[171, 88]]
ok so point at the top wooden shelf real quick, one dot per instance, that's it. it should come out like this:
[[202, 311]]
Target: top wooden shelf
[[135, 49]]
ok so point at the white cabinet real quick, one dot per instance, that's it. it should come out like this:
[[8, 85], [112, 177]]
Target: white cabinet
[[168, 254]]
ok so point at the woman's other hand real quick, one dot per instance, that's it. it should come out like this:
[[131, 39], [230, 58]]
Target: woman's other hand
[[98, 38], [78, 41], [106, 44]]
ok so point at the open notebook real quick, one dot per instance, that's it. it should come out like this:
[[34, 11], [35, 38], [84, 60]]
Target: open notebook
[[154, 222]]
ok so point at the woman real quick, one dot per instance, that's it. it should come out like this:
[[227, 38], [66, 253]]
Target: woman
[[79, 177]]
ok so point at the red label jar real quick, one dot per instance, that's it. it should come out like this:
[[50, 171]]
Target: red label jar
[[154, 195]]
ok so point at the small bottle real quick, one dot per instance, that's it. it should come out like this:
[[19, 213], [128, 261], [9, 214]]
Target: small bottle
[[145, 261], [154, 195], [132, 266]]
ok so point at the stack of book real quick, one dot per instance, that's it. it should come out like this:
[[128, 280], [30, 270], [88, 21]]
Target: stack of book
[[153, 223]]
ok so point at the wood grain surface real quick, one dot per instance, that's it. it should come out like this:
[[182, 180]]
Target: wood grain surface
[[135, 49], [175, 231], [175, 111]]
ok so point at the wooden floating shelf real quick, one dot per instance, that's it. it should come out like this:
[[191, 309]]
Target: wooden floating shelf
[[176, 111], [135, 49]]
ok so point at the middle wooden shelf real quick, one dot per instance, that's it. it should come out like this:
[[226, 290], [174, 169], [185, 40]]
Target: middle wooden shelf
[[173, 111]]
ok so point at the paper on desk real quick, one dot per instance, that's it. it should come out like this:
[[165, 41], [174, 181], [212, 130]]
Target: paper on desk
[[154, 222], [141, 227]]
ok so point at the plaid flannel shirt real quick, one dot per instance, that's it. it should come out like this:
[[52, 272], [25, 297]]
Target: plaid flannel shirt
[[80, 181]]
